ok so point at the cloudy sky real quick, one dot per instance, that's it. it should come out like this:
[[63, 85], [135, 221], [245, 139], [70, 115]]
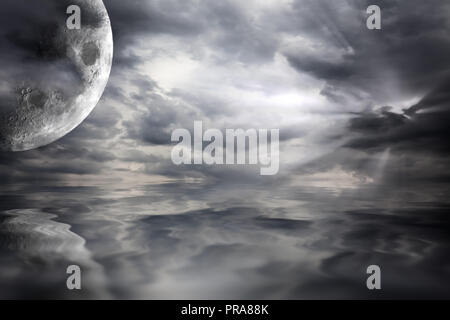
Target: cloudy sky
[[364, 176]]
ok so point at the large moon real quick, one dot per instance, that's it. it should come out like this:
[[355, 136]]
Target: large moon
[[51, 77]]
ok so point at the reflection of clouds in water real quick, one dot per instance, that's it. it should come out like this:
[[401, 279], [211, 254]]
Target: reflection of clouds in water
[[410, 245], [213, 254], [35, 238], [38, 233], [287, 243], [239, 253]]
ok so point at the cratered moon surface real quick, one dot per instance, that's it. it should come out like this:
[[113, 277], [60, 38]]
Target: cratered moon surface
[[51, 77]]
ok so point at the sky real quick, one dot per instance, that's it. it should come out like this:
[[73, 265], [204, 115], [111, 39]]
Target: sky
[[309, 68], [363, 118]]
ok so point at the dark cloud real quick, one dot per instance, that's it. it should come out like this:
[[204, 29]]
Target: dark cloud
[[135, 19], [406, 59], [421, 130], [411, 47]]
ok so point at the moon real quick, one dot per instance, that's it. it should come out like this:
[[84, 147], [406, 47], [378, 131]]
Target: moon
[[51, 76]]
